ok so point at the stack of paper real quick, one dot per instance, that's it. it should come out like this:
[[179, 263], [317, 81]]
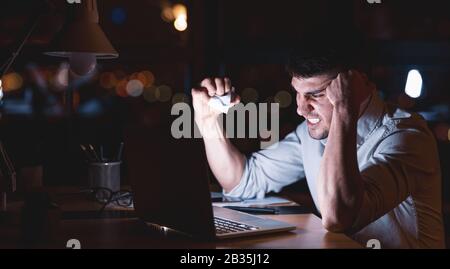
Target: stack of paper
[[268, 201]]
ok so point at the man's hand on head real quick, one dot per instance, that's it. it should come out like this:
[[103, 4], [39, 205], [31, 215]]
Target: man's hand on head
[[348, 91], [340, 185]]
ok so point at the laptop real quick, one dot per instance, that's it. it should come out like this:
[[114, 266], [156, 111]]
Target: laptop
[[171, 190]]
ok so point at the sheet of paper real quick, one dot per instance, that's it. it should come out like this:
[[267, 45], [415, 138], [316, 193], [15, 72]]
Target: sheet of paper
[[221, 103], [268, 201]]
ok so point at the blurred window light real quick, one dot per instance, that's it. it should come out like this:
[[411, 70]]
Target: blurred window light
[[179, 10], [176, 14], [108, 80], [118, 15], [167, 14], [180, 98], [12, 82], [134, 88], [414, 82], [180, 14], [149, 78], [436, 113], [22, 106], [181, 23], [163, 93], [249, 95], [91, 108], [61, 79], [150, 94], [121, 88], [284, 98]]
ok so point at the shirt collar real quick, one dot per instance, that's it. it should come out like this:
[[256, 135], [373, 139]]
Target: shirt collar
[[370, 119]]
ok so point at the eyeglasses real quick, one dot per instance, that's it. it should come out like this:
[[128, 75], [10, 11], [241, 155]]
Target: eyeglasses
[[105, 196]]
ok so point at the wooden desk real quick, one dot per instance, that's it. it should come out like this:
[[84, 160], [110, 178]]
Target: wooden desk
[[132, 233]]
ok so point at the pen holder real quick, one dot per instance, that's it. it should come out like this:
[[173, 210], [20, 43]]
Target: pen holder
[[104, 175]]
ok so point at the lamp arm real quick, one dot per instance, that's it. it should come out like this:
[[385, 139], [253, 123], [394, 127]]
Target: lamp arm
[[7, 171], [15, 53], [7, 177]]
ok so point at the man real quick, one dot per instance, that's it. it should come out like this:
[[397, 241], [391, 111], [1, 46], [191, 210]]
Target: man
[[373, 170]]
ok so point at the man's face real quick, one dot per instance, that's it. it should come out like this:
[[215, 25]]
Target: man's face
[[313, 104]]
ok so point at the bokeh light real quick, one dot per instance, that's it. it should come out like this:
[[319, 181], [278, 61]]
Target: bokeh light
[[149, 78], [118, 15], [141, 77], [163, 93], [249, 95], [121, 88], [133, 76], [146, 78], [12, 82], [179, 10], [176, 14], [135, 88], [180, 13], [181, 23], [414, 83], [60, 78], [108, 80], [167, 14], [180, 98], [284, 98], [120, 75], [46, 74], [150, 94]]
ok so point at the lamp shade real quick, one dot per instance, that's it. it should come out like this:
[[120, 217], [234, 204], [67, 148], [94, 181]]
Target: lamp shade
[[83, 35]]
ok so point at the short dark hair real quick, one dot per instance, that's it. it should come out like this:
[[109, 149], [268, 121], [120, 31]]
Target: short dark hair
[[324, 52]]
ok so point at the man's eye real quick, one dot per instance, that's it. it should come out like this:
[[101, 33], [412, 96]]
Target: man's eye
[[317, 95]]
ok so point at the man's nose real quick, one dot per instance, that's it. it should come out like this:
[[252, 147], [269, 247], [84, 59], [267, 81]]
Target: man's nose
[[303, 106]]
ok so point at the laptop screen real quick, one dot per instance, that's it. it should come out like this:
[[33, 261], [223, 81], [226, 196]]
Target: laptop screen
[[169, 180]]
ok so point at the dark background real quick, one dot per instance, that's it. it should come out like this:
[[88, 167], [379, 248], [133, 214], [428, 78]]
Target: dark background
[[245, 40]]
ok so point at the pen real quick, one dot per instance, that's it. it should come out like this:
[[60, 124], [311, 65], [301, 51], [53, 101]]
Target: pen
[[261, 210], [86, 152], [101, 154], [119, 152], [94, 153]]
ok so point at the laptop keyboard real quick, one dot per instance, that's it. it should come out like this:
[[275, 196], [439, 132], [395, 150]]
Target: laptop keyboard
[[224, 226]]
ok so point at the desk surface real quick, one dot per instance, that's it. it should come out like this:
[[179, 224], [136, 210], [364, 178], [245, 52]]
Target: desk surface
[[132, 233]]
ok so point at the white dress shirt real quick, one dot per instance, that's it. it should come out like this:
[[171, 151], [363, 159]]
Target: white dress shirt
[[398, 161]]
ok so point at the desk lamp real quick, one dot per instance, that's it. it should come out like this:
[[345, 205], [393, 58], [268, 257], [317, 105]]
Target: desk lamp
[[83, 42], [7, 171]]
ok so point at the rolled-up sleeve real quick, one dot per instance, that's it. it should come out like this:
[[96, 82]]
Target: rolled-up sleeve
[[271, 169], [400, 161]]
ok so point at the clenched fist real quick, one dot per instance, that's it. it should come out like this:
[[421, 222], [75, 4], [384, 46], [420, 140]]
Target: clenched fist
[[349, 89], [210, 87]]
